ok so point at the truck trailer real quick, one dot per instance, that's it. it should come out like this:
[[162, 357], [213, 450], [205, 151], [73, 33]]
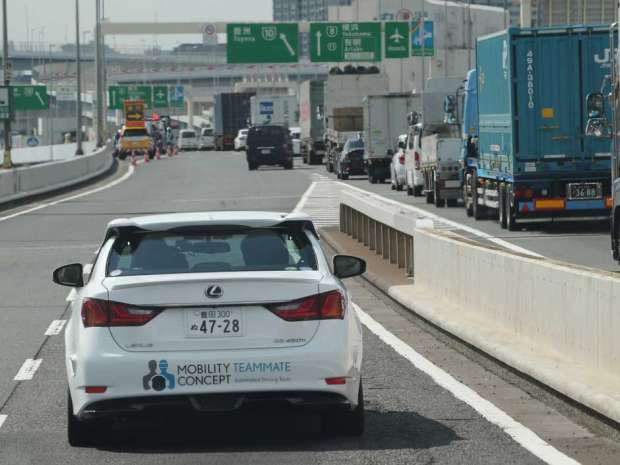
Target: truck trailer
[[311, 124], [533, 161], [275, 109], [231, 112], [384, 122]]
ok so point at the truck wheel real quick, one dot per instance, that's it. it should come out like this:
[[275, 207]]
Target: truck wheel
[[252, 166], [330, 168], [430, 198], [451, 203], [372, 180], [399, 187], [503, 219], [511, 221], [417, 191], [409, 191], [439, 202], [615, 238], [478, 210], [344, 177]]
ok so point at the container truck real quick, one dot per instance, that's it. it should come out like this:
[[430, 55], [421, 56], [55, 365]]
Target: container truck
[[533, 161], [344, 95], [277, 109], [384, 122], [231, 112], [599, 126], [311, 107]]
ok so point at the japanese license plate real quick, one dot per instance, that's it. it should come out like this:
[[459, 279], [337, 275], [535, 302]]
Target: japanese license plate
[[585, 191], [214, 322], [265, 151]]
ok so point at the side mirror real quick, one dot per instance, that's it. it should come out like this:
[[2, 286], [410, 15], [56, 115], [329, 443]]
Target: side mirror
[[390, 152], [595, 105], [346, 266], [597, 125], [449, 109], [319, 112], [402, 145], [69, 275]]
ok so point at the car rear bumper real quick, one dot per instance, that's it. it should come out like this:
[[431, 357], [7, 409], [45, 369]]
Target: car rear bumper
[[129, 375]]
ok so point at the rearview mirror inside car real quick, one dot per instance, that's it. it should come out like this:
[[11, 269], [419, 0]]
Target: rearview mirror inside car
[[346, 266], [69, 275]]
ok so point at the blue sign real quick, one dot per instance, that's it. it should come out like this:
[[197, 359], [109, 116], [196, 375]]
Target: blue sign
[[265, 108], [416, 39], [32, 141], [177, 96]]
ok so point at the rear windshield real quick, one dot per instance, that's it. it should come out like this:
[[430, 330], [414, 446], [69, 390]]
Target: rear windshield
[[207, 132], [270, 249], [188, 134], [135, 132], [355, 144], [266, 135]]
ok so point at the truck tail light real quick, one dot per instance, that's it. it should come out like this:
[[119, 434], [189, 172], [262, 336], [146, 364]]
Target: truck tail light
[[101, 313], [401, 159], [417, 159], [325, 306], [524, 193]]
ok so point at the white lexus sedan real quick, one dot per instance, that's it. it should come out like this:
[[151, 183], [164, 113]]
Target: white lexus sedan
[[210, 312]]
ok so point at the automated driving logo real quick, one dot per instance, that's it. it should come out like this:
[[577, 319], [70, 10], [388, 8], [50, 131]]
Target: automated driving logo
[[214, 291], [158, 380]]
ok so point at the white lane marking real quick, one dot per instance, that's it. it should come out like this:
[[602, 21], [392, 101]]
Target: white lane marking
[[55, 327], [304, 198], [522, 435], [28, 369], [2, 420], [123, 178], [427, 214], [70, 296]]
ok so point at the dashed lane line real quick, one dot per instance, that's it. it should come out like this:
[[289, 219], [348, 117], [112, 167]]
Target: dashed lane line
[[517, 431], [55, 327], [2, 419], [28, 369]]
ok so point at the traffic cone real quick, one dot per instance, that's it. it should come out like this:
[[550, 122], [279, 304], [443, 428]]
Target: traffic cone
[[133, 159]]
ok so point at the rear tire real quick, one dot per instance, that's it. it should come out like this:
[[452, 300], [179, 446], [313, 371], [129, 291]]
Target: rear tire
[[430, 198], [503, 218], [288, 165], [252, 166], [511, 221], [409, 191], [346, 423], [417, 191], [478, 210], [80, 433], [399, 187], [451, 203], [439, 202], [372, 180]]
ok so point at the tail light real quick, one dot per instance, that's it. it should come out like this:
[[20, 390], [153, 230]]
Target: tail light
[[325, 306], [524, 193], [101, 313], [416, 155], [401, 158]]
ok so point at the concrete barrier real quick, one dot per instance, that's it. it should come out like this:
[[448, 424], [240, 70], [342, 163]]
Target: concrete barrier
[[24, 182], [555, 322]]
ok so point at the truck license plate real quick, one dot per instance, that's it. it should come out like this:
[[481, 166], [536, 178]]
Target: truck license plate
[[265, 151], [585, 191]]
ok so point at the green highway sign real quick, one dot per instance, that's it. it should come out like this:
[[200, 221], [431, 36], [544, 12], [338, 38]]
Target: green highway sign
[[396, 39], [263, 43], [330, 42], [5, 103], [160, 96], [30, 98], [118, 94]]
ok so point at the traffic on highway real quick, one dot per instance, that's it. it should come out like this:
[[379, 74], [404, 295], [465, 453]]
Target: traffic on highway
[[360, 231]]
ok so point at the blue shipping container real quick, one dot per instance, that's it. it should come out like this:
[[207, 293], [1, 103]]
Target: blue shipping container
[[532, 85]]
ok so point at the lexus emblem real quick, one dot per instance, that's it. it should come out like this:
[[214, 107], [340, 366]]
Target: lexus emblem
[[214, 291]]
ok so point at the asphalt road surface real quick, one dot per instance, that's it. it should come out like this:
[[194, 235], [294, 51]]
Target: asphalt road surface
[[416, 412]]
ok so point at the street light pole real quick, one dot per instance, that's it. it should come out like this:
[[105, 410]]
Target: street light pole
[[99, 73], [7, 162], [78, 133]]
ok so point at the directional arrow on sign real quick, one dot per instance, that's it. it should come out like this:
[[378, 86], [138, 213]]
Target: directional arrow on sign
[[39, 97], [318, 42], [288, 46]]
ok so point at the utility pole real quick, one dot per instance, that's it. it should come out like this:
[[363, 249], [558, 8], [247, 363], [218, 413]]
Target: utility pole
[[7, 162], [78, 64], [99, 73]]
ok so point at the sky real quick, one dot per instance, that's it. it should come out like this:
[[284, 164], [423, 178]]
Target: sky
[[54, 20]]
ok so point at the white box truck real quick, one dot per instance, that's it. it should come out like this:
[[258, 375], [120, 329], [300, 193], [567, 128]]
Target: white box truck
[[277, 109], [384, 120]]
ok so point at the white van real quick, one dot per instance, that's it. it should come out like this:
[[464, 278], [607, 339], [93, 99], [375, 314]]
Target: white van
[[207, 139], [187, 140]]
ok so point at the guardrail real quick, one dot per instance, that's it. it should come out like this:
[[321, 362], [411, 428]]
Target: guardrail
[[553, 321], [20, 183]]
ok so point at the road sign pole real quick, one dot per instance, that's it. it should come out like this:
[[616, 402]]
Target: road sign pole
[[98, 73], [7, 162], [78, 129]]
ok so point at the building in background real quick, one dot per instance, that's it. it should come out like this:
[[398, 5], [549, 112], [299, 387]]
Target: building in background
[[304, 10], [540, 13]]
